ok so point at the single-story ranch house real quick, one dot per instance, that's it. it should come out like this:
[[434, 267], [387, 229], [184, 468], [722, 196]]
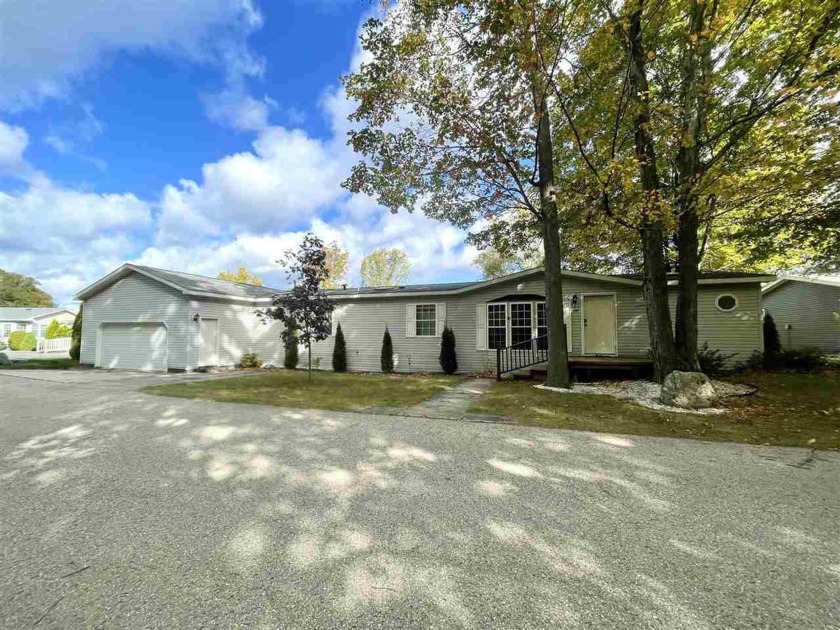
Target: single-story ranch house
[[151, 319], [804, 311], [31, 319]]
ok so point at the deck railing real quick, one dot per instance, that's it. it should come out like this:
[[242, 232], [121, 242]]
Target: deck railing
[[521, 355], [59, 344]]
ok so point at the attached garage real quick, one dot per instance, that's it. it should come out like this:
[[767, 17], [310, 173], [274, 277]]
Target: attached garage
[[133, 346], [141, 318]]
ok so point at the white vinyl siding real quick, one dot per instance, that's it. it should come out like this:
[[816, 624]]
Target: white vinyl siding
[[137, 299], [241, 330], [804, 314]]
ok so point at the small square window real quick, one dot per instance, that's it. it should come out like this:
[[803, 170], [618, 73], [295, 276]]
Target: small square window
[[425, 320]]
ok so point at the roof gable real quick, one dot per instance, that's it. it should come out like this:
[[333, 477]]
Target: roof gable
[[185, 283], [829, 282], [26, 313]]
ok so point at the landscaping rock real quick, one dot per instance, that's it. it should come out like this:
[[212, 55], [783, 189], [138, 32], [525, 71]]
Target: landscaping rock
[[4, 359], [688, 390]]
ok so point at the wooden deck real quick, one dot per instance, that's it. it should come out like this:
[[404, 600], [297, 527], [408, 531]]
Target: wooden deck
[[609, 362], [595, 368]]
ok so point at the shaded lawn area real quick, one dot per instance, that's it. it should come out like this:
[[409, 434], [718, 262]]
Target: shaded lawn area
[[326, 390], [787, 410], [42, 364]]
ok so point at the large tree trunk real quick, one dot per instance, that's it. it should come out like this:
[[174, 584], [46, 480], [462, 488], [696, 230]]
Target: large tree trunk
[[655, 283], [558, 356], [695, 70], [685, 321]]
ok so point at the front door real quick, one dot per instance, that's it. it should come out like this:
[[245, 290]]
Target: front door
[[208, 342], [599, 324]]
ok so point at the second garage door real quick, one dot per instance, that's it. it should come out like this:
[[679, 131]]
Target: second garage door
[[134, 346]]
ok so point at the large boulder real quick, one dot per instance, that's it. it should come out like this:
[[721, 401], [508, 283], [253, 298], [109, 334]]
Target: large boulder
[[4, 359], [688, 390]]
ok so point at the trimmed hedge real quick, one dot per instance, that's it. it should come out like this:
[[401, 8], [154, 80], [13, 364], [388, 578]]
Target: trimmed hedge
[[21, 340]]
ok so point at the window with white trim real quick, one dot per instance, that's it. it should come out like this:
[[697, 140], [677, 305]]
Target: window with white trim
[[21, 326], [425, 322], [7, 330], [542, 327], [726, 302], [521, 322], [496, 326]]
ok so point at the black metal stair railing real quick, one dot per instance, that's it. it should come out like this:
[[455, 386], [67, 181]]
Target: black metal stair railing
[[521, 355]]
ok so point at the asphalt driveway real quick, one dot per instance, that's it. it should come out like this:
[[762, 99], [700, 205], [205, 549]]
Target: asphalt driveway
[[123, 510]]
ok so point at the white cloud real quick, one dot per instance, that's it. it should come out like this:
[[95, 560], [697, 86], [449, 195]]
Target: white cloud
[[65, 237], [237, 109], [47, 45], [13, 142], [282, 183], [246, 209]]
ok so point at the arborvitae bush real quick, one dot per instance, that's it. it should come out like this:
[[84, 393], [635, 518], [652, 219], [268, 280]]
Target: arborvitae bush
[[448, 357], [772, 343], [386, 360], [339, 359], [290, 360]]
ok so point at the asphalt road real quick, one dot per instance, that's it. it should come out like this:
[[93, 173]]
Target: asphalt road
[[123, 510]]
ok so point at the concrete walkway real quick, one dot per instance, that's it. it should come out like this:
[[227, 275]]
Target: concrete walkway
[[454, 403]]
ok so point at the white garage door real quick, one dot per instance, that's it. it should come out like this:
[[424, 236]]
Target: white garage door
[[133, 347]]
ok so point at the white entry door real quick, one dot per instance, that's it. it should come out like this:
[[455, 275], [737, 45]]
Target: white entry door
[[599, 324], [208, 342]]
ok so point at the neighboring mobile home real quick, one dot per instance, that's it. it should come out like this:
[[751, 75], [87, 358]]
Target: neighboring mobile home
[[143, 318], [804, 311], [32, 319]]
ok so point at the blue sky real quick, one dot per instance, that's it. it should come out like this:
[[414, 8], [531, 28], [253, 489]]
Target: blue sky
[[196, 135]]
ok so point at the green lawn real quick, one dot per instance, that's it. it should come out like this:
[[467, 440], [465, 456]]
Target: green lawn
[[326, 390], [788, 410], [42, 364]]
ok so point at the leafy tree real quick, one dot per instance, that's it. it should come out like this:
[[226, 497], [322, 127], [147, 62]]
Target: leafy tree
[[385, 268], [339, 358], [56, 330], [448, 357], [691, 115], [337, 263], [495, 264], [386, 357], [241, 275], [455, 120], [76, 335], [304, 309], [18, 290], [290, 356]]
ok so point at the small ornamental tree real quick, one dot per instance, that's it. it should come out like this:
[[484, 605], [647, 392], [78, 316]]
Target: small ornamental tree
[[339, 359], [304, 309], [448, 358], [386, 360], [56, 330], [290, 359], [76, 335]]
